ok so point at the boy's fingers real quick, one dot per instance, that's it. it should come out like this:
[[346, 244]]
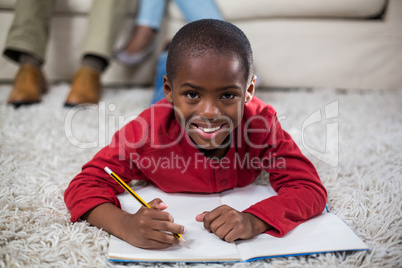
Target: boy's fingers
[[165, 226], [213, 220], [159, 242], [200, 217], [231, 236], [157, 203], [226, 232], [164, 239], [217, 226], [209, 218], [155, 214]]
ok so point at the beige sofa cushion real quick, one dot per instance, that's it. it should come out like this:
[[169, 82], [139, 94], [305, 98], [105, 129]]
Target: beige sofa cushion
[[70, 6], [240, 9]]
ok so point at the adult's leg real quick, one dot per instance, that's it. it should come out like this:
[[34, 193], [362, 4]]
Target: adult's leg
[[29, 30], [141, 42], [158, 82], [196, 10], [26, 44], [150, 13], [105, 20]]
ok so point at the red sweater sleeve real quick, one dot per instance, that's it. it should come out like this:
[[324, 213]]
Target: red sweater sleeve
[[93, 186], [301, 194]]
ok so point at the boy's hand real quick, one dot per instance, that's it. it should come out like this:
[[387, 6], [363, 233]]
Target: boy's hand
[[230, 224], [150, 228]]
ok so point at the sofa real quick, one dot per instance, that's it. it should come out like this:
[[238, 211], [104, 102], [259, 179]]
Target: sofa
[[346, 44]]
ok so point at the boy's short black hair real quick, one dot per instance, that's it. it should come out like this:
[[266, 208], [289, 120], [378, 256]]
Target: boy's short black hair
[[206, 36]]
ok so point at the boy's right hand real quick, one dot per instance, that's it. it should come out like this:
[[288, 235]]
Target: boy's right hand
[[150, 228]]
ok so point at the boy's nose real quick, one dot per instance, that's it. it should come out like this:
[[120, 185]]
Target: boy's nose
[[209, 110]]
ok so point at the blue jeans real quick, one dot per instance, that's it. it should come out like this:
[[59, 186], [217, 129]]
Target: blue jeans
[[151, 14], [151, 11], [158, 82]]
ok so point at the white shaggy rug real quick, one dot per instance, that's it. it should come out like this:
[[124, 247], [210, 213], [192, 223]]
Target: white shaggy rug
[[356, 148]]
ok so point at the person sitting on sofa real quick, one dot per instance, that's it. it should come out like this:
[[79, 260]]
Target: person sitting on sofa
[[26, 44], [149, 19]]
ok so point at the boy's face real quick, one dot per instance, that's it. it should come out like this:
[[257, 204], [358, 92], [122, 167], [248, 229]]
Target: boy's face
[[209, 93]]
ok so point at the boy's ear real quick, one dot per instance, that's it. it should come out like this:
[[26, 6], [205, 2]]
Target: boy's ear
[[167, 89], [250, 90]]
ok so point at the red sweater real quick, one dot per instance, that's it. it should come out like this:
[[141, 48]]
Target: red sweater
[[153, 147]]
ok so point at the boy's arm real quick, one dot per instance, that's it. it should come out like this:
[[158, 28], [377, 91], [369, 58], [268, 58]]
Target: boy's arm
[[93, 186], [91, 196], [148, 228], [301, 194]]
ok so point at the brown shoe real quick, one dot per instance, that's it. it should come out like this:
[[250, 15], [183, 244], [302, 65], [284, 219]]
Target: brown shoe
[[29, 85], [85, 88]]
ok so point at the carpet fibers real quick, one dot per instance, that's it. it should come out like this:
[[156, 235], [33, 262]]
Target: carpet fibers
[[352, 137]]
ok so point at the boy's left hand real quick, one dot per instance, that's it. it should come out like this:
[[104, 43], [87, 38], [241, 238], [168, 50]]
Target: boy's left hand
[[230, 224]]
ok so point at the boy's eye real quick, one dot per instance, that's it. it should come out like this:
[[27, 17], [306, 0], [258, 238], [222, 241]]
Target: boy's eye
[[228, 96], [192, 95]]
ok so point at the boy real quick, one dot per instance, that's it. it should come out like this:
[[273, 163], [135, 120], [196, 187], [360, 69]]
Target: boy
[[217, 137]]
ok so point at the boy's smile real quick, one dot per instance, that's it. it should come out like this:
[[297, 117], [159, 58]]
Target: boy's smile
[[209, 93]]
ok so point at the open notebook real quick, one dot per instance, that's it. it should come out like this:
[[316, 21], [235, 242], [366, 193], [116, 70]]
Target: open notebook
[[323, 233]]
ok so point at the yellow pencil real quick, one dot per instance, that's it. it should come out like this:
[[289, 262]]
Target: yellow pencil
[[136, 196]]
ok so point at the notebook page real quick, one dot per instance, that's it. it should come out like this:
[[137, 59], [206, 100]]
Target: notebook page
[[184, 208], [242, 198], [323, 233]]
